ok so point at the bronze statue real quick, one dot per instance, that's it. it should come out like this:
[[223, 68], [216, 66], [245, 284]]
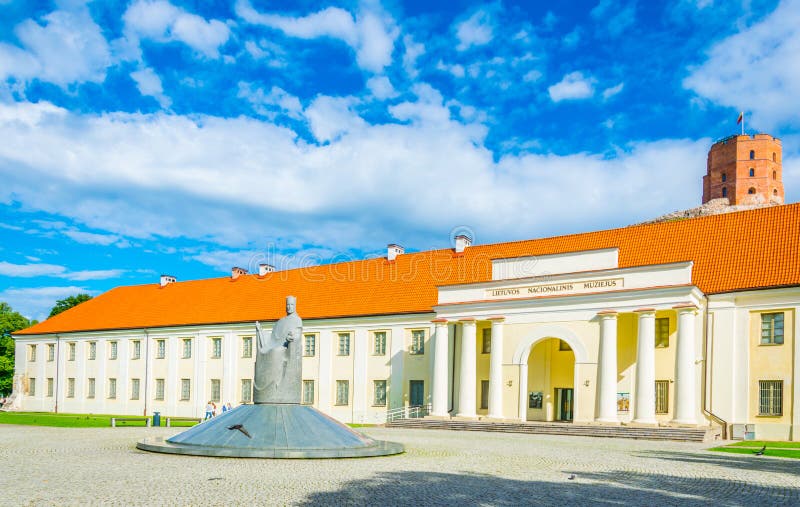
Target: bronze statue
[[278, 370]]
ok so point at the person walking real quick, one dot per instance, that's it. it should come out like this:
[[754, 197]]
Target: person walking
[[209, 411]]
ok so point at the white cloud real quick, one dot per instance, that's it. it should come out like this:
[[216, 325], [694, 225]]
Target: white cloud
[[371, 33], [36, 302], [332, 117], [456, 69], [55, 271], [149, 84], [67, 48], [413, 51], [612, 90], [572, 87], [756, 70], [572, 39], [271, 53], [77, 235], [477, 30], [532, 76], [613, 17], [161, 21], [381, 87], [271, 104]]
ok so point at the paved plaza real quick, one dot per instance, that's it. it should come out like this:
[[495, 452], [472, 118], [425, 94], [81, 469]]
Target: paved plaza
[[69, 466]]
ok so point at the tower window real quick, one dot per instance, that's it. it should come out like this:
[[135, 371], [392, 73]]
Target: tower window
[[724, 177], [724, 192], [752, 172], [774, 157], [775, 191], [774, 175], [752, 154], [751, 190]]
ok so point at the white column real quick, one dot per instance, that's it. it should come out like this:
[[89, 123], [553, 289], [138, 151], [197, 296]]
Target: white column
[[360, 374], [325, 384], [80, 374], [200, 381], [173, 387], [440, 376], [645, 395], [466, 390], [60, 380], [496, 369], [685, 370], [100, 382], [230, 353], [523, 391], [607, 372], [123, 363]]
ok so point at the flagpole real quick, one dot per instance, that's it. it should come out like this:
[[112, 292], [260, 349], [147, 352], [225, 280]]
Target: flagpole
[[742, 123]]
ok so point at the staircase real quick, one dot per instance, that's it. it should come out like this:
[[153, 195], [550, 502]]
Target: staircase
[[582, 430]]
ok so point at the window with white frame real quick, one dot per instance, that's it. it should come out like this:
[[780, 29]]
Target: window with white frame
[[247, 346], [32, 353], [112, 354], [92, 351], [32, 386], [160, 389], [418, 341], [342, 392], [50, 387], [186, 389], [486, 345], [90, 388], [770, 397], [137, 349], [247, 390], [662, 333], [187, 348], [344, 344], [51, 351], [70, 387], [161, 349], [309, 345], [71, 351], [216, 348], [134, 388], [308, 392], [379, 390], [379, 343], [215, 390], [112, 388], [772, 328]]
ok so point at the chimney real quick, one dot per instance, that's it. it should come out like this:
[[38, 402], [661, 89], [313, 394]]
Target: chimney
[[237, 272], [462, 242], [167, 279], [392, 251], [265, 269]]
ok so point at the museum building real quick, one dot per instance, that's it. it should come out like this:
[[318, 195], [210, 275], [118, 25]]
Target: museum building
[[688, 323]]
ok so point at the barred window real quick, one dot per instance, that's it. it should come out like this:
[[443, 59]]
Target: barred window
[[160, 389], [216, 348], [161, 349], [486, 345], [71, 351], [247, 390], [32, 354], [309, 345], [308, 392], [247, 346], [31, 387], [135, 389], [50, 387], [662, 396], [90, 388], [342, 392], [51, 351], [418, 341], [137, 349], [379, 343], [186, 389], [770, 397], [70, 387], [344, 344], [92, 351], [380, 393], [772, 328], [662, 333], [112, 350], [112, 388], [215, 389], [187, 348]]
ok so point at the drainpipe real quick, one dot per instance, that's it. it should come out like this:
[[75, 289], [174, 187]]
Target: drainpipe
[[146, 369], [453, 378], [58, 364]]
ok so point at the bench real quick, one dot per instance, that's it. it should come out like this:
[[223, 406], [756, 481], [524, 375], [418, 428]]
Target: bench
[[182, 419], [114, 420]]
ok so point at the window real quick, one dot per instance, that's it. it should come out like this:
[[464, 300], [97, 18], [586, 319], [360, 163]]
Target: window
[[160, 389], [751, 190], [70, 387], [774, 175], [770, 397], [215, 389], [186, 389], [187, 348], [342, 392], [112, 350], [662, 333], [724, 177], [32, 353], [247, 390], [71, 351], [774, 157], [32, 387], [51, 351], [484, 394], [380, 393], [161, 349], [134, 388], [418, 341], [344, 344], [662, 396], [486, 346], [112, 388], [92, 351], [50, 387], [137, 349], [247, 346], [563, 346], [308, 392], [752, 154], [216, 348], [90, 389], [772, 328], [775, 191], [309, 345], [379, 343], [752, 172], [724, 192]]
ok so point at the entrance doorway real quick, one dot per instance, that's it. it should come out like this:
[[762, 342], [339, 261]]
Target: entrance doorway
[[417, 393], [564, 404]]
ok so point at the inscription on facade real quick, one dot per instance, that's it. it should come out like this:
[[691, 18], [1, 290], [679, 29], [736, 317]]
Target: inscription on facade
[[551, 289]]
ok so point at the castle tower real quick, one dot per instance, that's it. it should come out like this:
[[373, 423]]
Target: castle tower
[[745, 170]]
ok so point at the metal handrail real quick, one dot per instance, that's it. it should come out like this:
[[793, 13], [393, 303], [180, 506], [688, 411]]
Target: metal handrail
[[406, 412]]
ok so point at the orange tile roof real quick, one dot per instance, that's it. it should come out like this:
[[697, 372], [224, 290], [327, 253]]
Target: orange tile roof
[[735, 251]]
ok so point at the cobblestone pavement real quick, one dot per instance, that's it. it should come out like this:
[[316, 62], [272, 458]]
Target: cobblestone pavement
[[68, 466]]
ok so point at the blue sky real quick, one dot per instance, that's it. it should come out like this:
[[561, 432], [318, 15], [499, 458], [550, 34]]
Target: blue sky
[[148, 137]]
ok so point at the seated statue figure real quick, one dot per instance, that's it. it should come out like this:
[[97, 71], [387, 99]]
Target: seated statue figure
[[278, 370]]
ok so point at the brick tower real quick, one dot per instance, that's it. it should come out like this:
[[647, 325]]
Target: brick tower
[[745, 170]]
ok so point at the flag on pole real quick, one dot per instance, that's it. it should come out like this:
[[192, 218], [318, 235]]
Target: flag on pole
[[740, 118]]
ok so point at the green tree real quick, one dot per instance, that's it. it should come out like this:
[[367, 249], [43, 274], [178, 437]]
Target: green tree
[[10, 321], [65, 304]]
